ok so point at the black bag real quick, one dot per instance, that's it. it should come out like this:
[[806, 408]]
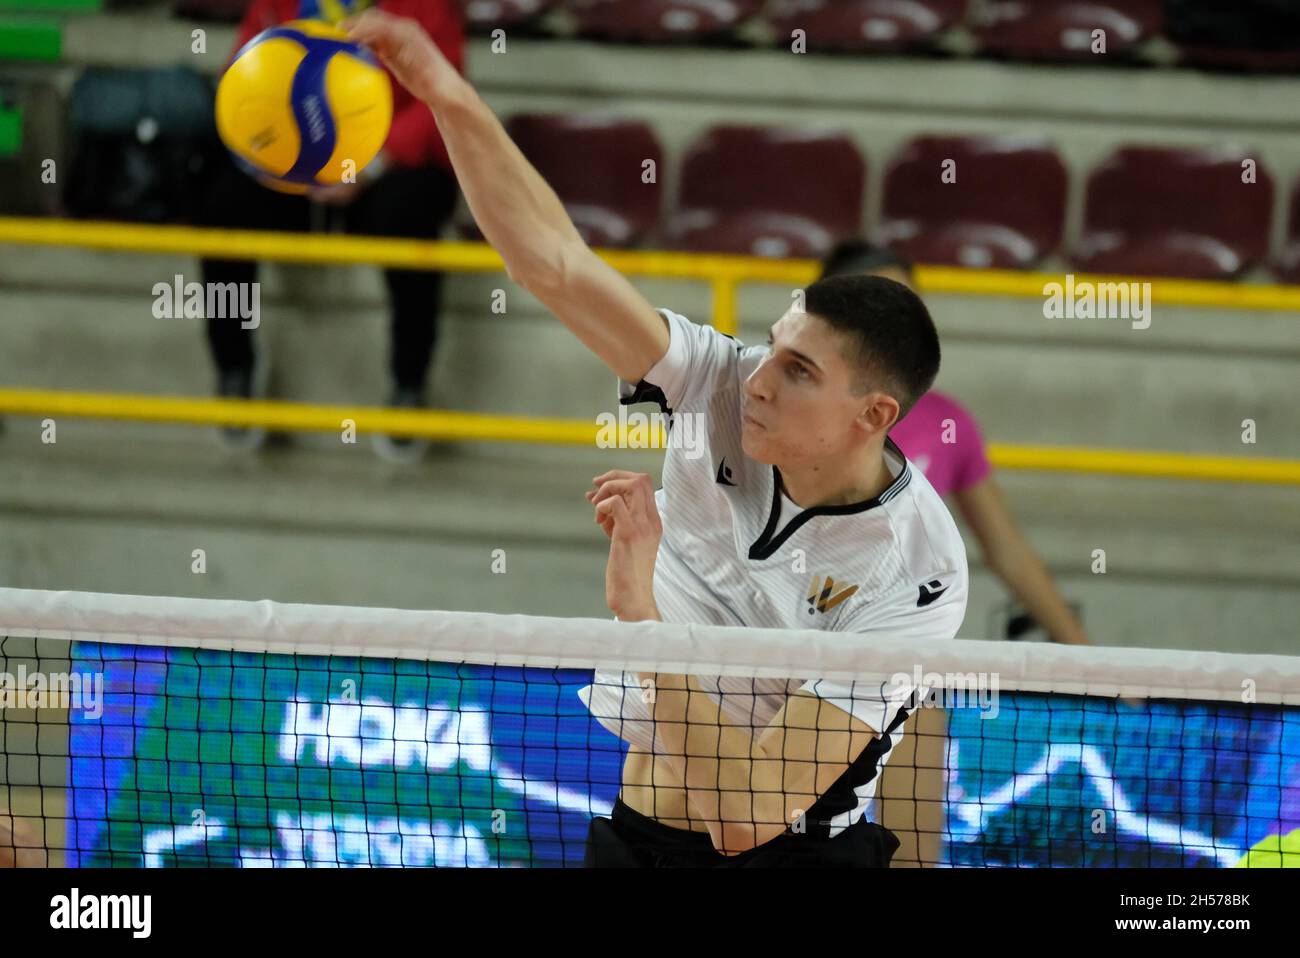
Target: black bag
[[142, 142]]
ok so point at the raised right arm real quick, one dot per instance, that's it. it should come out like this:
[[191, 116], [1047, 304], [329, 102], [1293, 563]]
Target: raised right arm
[[519, 214]]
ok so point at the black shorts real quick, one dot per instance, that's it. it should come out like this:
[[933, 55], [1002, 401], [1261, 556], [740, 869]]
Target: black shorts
[[629, 839]]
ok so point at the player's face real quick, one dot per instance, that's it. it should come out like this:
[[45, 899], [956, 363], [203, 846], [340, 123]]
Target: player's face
[[799, 404]]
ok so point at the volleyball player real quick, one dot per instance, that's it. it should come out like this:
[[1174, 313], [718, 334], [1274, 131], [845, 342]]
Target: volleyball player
[[799, 475]]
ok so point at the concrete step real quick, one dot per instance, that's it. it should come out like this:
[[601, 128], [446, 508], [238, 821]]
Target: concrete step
[[1188, 565], [90, 512], [84, 320]]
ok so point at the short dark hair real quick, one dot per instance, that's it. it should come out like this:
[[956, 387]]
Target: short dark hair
[[859, 256], [892, 330]]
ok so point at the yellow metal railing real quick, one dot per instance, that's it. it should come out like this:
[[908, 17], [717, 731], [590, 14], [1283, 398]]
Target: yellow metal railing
[[484, 427], [1166, 292], [722, 273]]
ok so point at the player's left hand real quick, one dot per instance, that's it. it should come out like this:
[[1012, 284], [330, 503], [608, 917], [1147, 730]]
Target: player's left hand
[[626, 510]]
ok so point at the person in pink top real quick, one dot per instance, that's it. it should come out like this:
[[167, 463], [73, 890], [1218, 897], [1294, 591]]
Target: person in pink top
[[943, 440]]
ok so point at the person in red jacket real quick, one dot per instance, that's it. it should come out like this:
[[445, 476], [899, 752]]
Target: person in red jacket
[[409, 190]]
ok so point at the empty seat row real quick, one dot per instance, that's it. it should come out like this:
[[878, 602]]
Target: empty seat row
[[1063, 30], [982, 201], [1021, 29]]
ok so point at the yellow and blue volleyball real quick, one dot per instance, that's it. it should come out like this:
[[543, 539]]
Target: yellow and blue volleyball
[[300, 106]]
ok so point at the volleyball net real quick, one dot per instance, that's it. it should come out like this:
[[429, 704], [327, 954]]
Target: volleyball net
[[149, 732]]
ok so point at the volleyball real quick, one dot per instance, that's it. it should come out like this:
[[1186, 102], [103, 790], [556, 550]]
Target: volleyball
[[300, 106]]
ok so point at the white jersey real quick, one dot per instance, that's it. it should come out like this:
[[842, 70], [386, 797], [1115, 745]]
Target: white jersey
[[894, 565]]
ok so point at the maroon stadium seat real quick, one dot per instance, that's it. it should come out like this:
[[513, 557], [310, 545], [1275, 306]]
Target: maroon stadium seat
[[768, 191], [1005, 209], [1062, 29], [1287, 266], [660, 20], [866, 24], [485, 15], [1161, 211], [594, 163]]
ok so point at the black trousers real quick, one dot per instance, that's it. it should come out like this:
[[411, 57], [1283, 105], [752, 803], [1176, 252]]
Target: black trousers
[[628, 839], [409, 203]]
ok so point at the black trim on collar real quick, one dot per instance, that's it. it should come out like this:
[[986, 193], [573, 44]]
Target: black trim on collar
[[767, 545]]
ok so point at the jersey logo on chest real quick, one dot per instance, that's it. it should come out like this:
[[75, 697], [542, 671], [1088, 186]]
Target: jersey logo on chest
[[820, 598]]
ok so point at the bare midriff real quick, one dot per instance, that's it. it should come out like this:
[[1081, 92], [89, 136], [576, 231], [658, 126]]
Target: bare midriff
[[652, 788]]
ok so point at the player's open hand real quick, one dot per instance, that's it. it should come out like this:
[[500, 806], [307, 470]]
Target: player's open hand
[[626, 510], [403, 46]]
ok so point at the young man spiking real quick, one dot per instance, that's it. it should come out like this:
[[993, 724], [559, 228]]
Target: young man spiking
[[800, 473]]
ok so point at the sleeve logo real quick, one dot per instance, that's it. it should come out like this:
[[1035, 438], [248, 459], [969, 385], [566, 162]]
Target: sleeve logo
[[929, 592]]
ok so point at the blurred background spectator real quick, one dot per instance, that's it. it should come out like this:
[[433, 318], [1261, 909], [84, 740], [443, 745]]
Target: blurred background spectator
[[409, 190]]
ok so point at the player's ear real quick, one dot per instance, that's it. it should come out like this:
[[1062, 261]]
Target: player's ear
[[879, 412]]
